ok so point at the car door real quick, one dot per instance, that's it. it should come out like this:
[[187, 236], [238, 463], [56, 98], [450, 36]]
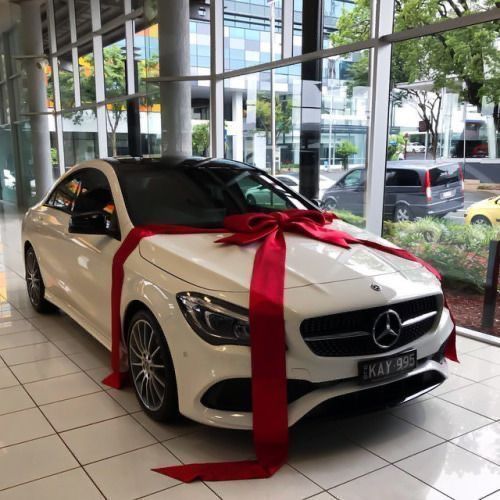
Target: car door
[[351, 192], [91, 255], [50, 238]]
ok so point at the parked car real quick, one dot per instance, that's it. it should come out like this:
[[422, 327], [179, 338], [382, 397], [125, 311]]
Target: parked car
[[484, 212], [412, 189], [415, 147], [359, 325]]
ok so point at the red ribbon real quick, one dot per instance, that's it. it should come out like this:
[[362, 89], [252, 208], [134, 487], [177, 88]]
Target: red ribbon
[[266, 314]]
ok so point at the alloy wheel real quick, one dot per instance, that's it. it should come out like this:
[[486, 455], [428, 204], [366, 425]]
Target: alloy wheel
[[330, 204], [33, 278], [147, 366], [402, 214]]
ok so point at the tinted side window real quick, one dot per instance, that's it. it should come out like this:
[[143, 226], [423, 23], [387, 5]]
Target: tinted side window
[[355, 178], [94, 194], [407, 178], [64, 195]]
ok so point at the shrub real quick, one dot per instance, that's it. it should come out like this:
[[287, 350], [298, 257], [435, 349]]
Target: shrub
[[458, 252], [350, 218]]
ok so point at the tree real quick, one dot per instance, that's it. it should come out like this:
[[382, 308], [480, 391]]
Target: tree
[[467, 55], [201, 139], [344, 150], [116, 85], [283, 114]]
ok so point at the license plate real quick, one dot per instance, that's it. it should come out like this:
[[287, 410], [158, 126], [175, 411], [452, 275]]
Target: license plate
[[380, 368], [448, 194]]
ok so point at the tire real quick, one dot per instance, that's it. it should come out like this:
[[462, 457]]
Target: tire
[[34, 283], [402, 213], [480, 220], [151, 368], [330, 204], [251, 199]]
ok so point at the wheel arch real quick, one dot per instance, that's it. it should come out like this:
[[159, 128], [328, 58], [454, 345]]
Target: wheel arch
[[27, 245], [481, 216], [132, 308]]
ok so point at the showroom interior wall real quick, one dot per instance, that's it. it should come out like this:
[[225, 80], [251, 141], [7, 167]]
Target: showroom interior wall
[[246, 79]]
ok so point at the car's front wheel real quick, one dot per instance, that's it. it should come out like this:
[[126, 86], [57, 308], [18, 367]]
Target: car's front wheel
[[480, 220], [330, 204], [151, 368], [34, 283]]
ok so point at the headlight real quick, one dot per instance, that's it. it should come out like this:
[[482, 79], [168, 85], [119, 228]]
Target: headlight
[[216, 321]]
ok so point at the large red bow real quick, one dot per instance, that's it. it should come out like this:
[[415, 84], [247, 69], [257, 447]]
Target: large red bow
[[266, 316]]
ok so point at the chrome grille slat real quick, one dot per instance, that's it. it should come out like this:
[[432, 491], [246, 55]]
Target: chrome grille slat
[[349, 334]]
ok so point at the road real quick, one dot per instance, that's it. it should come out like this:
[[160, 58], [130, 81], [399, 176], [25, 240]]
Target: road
[[470, 198]]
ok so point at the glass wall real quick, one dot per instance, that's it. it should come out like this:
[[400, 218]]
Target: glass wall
[[443, 167], [442, 138], [79, 136]]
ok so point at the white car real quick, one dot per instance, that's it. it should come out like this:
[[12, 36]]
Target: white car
[[415, 147], [361, 325]]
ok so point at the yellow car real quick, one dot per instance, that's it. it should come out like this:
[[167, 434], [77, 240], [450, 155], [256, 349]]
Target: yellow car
[[484, 212]]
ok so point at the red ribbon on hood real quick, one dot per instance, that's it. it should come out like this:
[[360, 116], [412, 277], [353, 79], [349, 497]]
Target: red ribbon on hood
[[266, 317]]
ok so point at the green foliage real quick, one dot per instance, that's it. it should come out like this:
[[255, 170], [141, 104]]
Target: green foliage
[[201, 139], [283, 114], [447, 59], [53, 156], [395, 146], [345, 149], [350, 218], [458, 252]]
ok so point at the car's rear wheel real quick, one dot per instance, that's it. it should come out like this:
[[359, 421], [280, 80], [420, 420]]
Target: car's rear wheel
[[151, 368], [480, 220], [402, 213], [330, 204], [34, 283]]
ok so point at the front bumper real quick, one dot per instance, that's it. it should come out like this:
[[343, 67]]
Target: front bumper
[[333, 380]]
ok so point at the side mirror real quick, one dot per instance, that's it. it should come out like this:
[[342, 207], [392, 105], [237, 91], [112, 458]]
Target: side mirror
[[91, 223]]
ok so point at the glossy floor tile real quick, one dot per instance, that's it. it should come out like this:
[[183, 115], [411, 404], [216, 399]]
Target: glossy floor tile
[[389, 483], [454, 471], [65, 435]]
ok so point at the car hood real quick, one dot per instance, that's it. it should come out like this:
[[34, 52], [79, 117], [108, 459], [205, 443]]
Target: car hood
[[195, 258]]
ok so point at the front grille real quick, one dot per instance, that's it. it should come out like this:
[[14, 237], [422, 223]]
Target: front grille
[[350, 333]]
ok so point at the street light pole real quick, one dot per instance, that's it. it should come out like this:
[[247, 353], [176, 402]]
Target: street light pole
[[331, 72], [273, 99]]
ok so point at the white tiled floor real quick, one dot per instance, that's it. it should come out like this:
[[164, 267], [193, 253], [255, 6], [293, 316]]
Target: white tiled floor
[[65, 435]]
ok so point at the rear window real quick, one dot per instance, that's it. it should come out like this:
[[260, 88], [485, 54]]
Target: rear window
[[408, 178], [444, 174]]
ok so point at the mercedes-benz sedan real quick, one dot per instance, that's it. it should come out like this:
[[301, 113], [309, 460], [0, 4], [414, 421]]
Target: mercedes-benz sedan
[[361, 325]]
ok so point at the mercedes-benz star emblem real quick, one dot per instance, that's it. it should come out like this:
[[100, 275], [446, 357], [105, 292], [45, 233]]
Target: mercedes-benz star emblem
[[386, 329]]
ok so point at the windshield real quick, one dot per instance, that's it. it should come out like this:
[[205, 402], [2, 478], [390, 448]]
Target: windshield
[[200, 196]]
